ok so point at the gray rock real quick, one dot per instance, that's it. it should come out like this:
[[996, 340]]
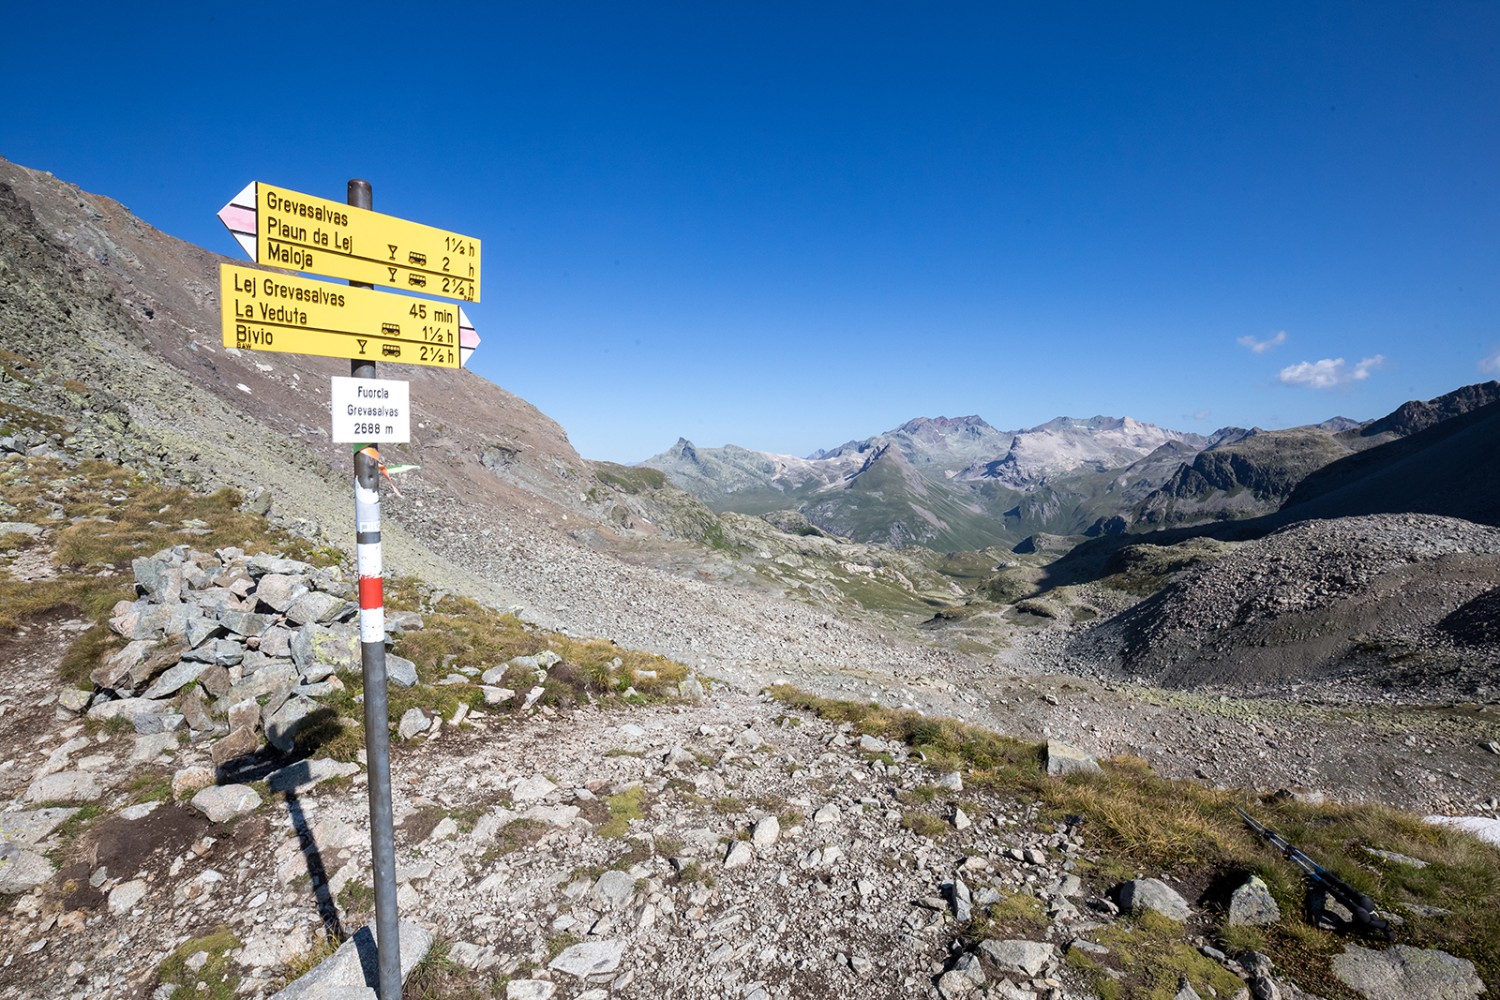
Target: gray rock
[[200, 630], [1252, 905], [263, 564], [953, 781], [400, 671], [245, 623], [267, 680], [355, 965], [153, 746], [174, 679], [219, 652], [215, 681], [22, 870], [496, 695], [413, 722], [403, 621], [1407, 973], [1064, 759], [319, 651], [191, 779], [538, 786], [968, 964], [32, 826], [494, 675], [1394, 858], [277, 642], [740, 854], [530, 989], [283, 724], [146, 715], [123, 897], [277, 591], [223, 803], [159, 580], [65, 786], [1018, 957], [119, 672], [954, 983], [552, 815], [1152, 894], [691, 688], [766, 832], [241, 742], [195, 710], [615, 889], [74, 700], [1185, 991], [591, 958], [317, 608]]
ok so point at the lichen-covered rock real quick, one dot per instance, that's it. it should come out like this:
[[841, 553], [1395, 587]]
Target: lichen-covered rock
[[1152, 894], [1405, 973]]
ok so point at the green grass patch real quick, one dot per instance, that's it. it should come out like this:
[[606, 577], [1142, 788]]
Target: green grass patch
[[1151, 958], [630, 478], [150, 788], [439, 977], [216, 979], [623, 807], [516, 835], [924, 824]]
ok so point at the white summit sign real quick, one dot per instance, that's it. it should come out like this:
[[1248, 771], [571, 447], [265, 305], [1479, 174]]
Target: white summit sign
[[371, 410]]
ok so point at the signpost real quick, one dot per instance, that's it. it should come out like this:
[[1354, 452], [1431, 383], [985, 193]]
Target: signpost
[[284, 228], [263, 311], [266, 311]]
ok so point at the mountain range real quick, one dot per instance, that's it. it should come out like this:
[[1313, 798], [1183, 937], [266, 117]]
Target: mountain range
[[958, 483]]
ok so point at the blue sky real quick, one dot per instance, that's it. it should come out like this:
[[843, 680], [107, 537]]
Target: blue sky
[[789, 225]]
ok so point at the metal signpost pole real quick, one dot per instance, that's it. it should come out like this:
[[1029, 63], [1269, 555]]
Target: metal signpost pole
[[372, 662]]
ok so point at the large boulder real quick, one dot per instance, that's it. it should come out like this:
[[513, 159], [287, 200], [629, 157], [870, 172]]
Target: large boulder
[[1152, 894], [319, 651], [222, 803], [1065, 759], [1252, 905], [1407, 973]]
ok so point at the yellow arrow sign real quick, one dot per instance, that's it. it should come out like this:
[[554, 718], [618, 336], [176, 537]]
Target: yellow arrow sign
[[304, 233], [261, 311]]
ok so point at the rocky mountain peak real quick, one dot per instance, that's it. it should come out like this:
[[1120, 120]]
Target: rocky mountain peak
[[1418, 415]]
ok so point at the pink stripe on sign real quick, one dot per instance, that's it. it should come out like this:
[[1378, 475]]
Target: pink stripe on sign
[[467, 337], [238, 218]]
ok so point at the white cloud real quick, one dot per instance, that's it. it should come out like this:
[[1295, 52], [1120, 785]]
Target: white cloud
[[1329, 372], [1262, 346], [1491, 363]]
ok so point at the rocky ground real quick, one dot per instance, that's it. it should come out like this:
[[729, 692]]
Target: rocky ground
[[723, 848]]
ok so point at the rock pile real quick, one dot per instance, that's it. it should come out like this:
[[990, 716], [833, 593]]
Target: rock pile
[[232, 647]]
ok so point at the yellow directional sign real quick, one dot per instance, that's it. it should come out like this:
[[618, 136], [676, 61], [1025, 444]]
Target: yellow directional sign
[[304, 233], [261, 311]]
